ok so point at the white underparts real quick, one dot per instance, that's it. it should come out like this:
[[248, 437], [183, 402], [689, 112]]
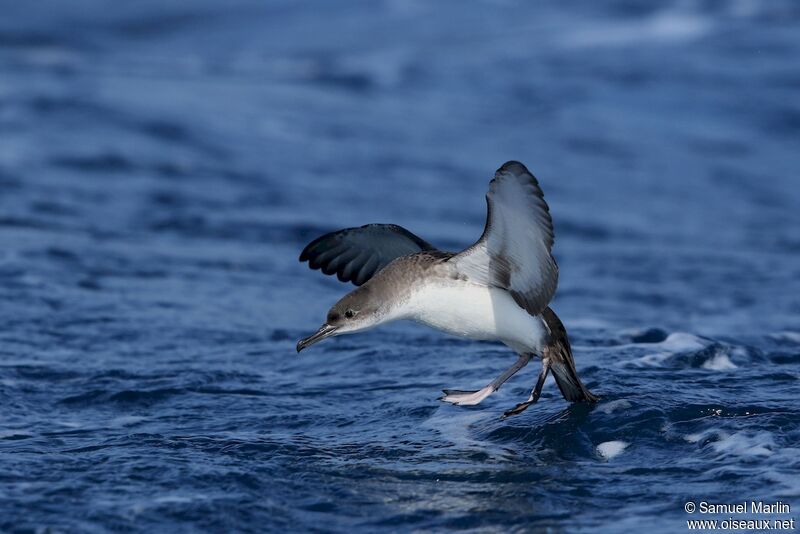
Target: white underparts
[[476, 312]]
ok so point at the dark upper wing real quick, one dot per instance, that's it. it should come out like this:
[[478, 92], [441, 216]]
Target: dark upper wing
[[514, 251], [356, 254]]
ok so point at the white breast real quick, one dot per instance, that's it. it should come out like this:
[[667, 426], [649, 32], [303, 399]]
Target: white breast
[[476, 312]]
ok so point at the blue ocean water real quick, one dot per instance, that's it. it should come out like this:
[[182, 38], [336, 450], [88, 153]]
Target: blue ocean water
[[163, 164]]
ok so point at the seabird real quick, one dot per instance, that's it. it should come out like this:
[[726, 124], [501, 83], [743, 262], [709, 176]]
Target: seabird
[[497, 289]]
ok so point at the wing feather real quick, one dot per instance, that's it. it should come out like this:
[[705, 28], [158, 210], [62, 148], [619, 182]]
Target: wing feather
[[357, 254], [514, 252]]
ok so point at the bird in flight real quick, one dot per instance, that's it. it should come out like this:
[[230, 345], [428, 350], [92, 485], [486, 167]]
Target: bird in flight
[[497, 289]]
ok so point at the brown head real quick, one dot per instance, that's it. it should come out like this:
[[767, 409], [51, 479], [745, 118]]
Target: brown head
[[359, 310]]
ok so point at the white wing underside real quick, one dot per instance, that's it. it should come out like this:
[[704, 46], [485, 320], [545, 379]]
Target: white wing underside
[[514, 251]]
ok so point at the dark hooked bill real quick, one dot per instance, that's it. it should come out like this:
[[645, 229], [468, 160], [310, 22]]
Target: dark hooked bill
[[324, 331]]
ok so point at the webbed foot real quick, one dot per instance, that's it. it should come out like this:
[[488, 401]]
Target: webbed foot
[[535, 394], [518, 409], [466, 398]]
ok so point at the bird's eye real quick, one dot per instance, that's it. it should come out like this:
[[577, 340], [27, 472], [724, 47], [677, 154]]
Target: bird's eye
[[349, 314]]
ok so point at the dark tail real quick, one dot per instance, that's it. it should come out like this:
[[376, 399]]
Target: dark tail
[[561, 362]]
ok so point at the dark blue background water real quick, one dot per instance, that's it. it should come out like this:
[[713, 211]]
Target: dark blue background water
[[162, 165]]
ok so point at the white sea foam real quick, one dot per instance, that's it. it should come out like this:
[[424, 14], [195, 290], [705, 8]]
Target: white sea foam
[[610, 449], [455, 426], [653, 360], [741, 444], [682, 342], [676, 343], [612, 406], [744, 444], [694, 438], [719, 362]]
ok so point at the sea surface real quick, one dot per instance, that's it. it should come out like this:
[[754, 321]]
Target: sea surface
[[162, 165]]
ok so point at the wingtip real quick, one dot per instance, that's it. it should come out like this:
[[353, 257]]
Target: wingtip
[[513, 166], [305, 254]]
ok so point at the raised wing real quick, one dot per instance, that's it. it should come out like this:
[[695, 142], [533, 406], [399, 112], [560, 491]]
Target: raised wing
[[514, 251], [356, 254]]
